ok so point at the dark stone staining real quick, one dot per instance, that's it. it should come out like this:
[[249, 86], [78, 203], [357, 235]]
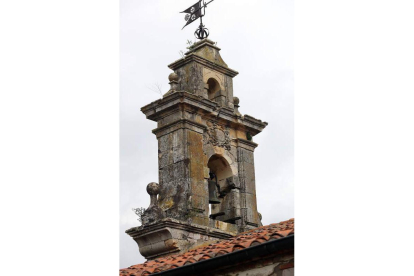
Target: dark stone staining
[[184, 152]]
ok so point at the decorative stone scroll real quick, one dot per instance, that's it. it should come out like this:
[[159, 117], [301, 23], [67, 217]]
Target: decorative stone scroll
[[218, 136]]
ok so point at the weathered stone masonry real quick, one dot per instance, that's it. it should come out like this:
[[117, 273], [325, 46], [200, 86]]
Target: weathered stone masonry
[[202, 138]]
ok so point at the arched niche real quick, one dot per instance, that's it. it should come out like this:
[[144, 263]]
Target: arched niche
[[221, 168], [218, 165], [214, 89]]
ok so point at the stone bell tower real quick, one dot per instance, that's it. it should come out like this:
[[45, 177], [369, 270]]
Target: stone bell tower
[[207, 188]]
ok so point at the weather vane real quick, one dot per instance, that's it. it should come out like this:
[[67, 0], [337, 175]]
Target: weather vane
[[198, 10]]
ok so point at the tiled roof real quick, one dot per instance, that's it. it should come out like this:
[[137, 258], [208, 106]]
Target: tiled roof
[[244, 240]]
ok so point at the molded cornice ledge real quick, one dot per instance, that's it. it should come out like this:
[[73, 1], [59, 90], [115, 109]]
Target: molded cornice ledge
[[170, 236], [246, 144], [209, 64], [162, 107]]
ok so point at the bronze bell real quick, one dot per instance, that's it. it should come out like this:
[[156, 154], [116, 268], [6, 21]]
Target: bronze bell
[[212, 189], [212, 192]]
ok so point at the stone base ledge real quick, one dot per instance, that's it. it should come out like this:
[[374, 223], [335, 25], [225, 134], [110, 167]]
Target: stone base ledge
[[170, 236]]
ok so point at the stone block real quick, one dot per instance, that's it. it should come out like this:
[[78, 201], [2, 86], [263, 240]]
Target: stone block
[[200, 203], [163, 159], [249, 178], [246, 156], [178, 153], [163, 143], [231, 206], [173, 116], [171, 148], [200, 220], [200, 188], [179, 170], [251, 209]]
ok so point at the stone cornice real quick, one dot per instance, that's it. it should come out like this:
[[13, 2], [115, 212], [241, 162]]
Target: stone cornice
[[137, 232], [246, 144], [202, 43], [253, 122], [214, 66], [181, 123], [153, 109], [157, 110]]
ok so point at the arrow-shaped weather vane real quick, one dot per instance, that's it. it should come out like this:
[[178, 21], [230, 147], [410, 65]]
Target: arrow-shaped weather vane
[[193, 13]]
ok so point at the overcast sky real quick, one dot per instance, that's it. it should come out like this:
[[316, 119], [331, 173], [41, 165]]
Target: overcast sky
[[256, 38]]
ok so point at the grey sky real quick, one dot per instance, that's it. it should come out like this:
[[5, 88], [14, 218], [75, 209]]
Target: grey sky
[[256, 38]]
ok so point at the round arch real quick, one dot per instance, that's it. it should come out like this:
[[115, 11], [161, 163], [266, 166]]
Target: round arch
[[213, 88], [219, 165]]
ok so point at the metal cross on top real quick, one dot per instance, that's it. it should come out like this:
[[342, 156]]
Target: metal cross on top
[[198, 10]]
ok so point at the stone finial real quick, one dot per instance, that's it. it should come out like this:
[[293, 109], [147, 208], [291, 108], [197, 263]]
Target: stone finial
[[153, 189], [173, 78], [153, 213], [260, 219], [236, 102]]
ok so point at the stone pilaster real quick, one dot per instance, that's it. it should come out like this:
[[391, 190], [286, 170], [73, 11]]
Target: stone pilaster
[[250, 216]]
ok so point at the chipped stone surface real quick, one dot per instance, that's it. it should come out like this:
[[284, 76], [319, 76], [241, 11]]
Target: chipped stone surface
[[169, 236], [199, 132], [218, 136]]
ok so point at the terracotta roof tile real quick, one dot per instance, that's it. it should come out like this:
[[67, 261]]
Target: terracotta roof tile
[[244, 240]]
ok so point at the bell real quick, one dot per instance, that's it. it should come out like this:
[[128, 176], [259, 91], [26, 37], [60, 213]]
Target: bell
[[212, 192]]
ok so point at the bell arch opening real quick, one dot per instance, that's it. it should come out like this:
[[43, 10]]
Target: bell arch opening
[[219, 165], [213, 88], [220, 172]]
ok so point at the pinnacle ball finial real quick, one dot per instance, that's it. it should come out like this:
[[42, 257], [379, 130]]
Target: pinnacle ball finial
[[236, 100], [173, 77], [153, 188]]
